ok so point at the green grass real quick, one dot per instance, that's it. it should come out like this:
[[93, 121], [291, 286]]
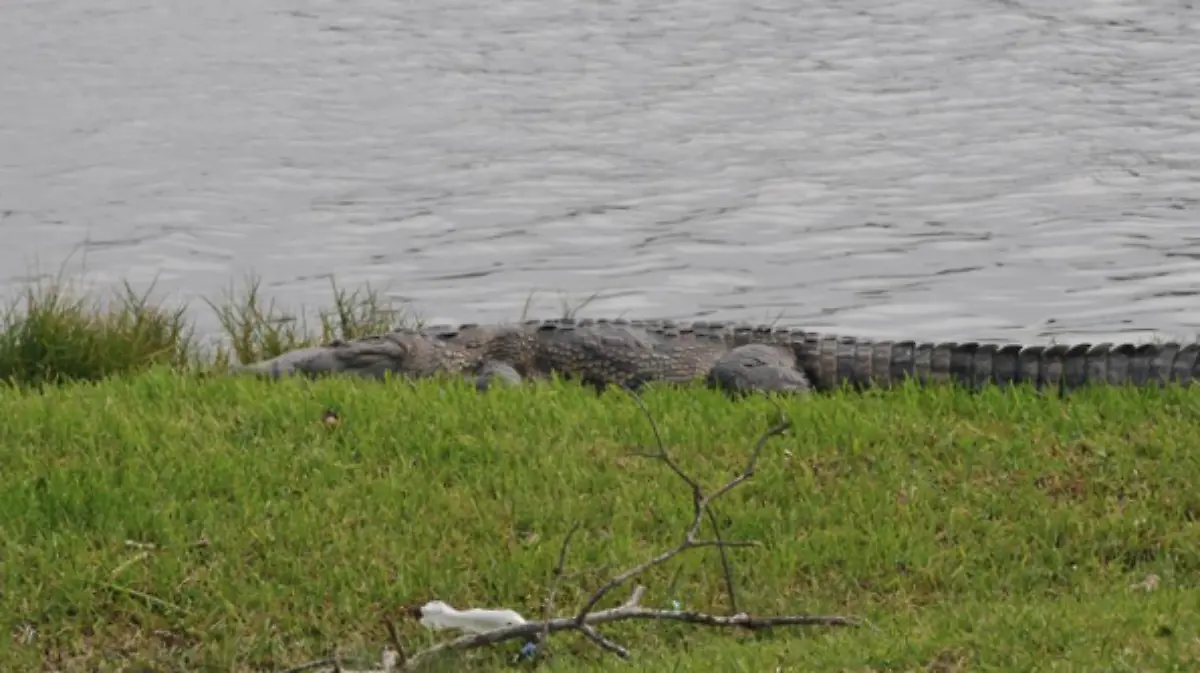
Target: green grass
[[52, 332], [49, 334], [994, 531], [153, 519]]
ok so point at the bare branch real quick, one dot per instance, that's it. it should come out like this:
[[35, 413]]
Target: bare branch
[[622, 613], [587, 619], [663, 454], [725, 543], [324, 664], [739, 620], [774, 431], [624, 577], [701, 503], [635, 597], [725, 567], [548, 605], [394, 639], [604, 643]]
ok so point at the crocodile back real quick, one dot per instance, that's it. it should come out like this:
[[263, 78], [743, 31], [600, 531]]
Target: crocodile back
[[603, 352]]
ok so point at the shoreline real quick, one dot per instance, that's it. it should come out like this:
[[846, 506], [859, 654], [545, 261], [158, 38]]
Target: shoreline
[[53, 332]]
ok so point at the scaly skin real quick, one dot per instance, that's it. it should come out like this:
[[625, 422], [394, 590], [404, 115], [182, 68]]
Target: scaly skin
[[734, 357]]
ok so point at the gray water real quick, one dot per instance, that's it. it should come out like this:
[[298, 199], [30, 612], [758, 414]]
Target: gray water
[[930, 168]]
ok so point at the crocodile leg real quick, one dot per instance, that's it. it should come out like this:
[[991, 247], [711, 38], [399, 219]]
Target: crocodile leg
[[758, 368], [832, 361], [493, 372]]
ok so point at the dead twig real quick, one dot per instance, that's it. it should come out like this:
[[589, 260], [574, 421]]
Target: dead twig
[[334, 665], [136, 558], [700, 504], [630, 610], [144, 597], [586, 620], [548, 606], [150, 546], [604, 643], [394, 639], [726, 567]]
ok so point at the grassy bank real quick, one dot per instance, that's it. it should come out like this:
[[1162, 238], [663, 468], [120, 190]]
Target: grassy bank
[[998, 531], [53, 332], [156, 520]]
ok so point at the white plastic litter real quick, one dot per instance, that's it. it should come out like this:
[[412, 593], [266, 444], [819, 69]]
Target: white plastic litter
[[439, 615]]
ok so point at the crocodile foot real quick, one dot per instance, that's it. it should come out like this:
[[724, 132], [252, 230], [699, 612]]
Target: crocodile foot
[[758, 368], [496, 372]]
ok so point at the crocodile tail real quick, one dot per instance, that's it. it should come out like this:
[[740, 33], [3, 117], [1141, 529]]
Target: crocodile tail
[[833, 361]]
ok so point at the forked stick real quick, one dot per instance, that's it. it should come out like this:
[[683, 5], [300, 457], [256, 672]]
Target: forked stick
[[587, 618]]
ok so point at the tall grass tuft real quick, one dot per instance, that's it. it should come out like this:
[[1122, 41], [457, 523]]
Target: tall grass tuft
[[51, 334], [256, 330]]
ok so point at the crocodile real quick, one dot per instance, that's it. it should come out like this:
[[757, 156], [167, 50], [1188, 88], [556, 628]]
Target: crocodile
[[736, 357]]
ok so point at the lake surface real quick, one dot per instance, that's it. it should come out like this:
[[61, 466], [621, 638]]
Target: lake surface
[[933, 168]]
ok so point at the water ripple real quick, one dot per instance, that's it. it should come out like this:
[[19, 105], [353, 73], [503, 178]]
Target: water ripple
[[985, 169]]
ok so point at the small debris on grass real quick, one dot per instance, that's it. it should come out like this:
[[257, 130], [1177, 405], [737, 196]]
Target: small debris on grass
[[1149, 584], [438, 615]]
